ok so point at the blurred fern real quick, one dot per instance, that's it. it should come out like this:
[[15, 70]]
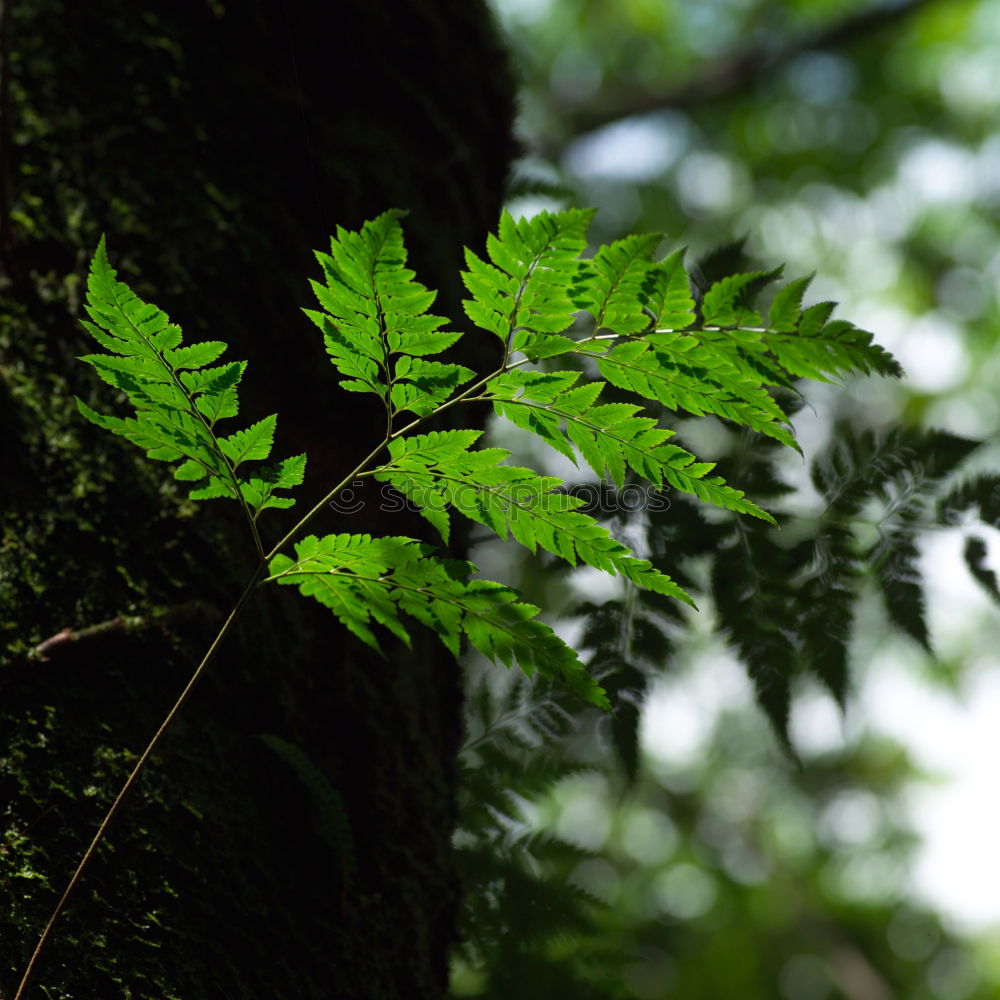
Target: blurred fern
[[522, 918]]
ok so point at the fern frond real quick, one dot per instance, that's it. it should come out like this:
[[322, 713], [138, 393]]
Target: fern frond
[[699, 346], [437, 471], [366, 580], [614, 290], [755, 615], [837, 348], [668, 294], [526, 292], [373, 310], [675, 370], [896, 564], [808, 344], [522, 913], [629, 645], [900, 473], [611, 437], [176, 398], [714, 357]]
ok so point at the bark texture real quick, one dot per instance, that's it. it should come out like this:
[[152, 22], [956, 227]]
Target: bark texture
[[217, 144]]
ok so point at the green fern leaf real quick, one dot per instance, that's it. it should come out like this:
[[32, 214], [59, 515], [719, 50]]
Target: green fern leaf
[[527, 290], [166, 437], [837, 348], [365, 580], [786, 307], [668, 294], [725, 303], [144, 329], [195, 355], [421, 386], [259, 490], [374, 309], [707, 352], [611, 437], [548, 346], [115, 370], [512, 501], [176, 398], [216, 489], [214, 390], [658, 367], [813, 319], [420, 344], [614, 293], [252, 443]]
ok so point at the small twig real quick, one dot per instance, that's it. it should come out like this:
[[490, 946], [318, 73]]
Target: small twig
[[58, 645], [67, 635]]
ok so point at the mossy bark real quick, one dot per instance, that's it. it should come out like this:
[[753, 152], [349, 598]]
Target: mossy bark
[[217, 145]]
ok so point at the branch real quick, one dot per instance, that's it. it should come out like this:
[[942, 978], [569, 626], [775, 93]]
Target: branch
[[741, 69], [57, 646]]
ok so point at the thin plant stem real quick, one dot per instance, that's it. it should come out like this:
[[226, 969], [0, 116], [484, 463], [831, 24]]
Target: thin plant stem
[[140, 765], [195, 677], [359, 469], [323, 503]]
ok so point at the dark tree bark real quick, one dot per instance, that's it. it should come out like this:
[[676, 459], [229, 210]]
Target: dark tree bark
[[217, 144]]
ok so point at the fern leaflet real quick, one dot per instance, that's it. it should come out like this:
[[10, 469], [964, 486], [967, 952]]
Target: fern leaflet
[[373, 310], [177, 399], [364, 580], [437, 471], [614, 289], [611, 437], [526, 293]]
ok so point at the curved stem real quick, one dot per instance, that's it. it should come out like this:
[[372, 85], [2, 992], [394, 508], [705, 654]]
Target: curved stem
[[356, 471], [359, 469], [129, 782]]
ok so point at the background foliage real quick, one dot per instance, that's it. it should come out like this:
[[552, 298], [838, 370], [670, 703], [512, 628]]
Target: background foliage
[[858, 141]]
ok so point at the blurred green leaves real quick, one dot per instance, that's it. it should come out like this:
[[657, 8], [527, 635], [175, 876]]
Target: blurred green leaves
[[860, 141]]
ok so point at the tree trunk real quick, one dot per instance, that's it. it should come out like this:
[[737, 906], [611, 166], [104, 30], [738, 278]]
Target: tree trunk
[[292, 839]]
